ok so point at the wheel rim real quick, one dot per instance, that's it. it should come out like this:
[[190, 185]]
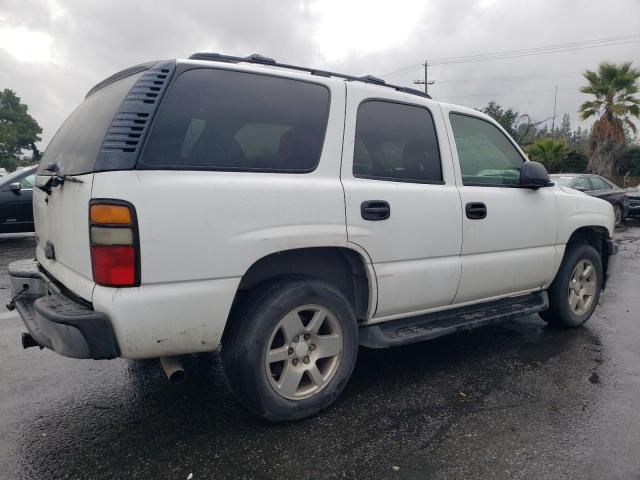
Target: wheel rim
[[304, 352], [582, 287], [618, 214]]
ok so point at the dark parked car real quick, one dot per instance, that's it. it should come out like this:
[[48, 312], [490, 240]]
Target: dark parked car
[[16, 210], [633, 194], [596, 186]]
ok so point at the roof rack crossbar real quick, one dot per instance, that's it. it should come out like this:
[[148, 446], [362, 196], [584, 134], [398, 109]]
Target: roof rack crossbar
[[259, 59]]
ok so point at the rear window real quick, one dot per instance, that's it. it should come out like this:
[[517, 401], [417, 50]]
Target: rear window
[[600, 184], [563, 181], [225, 120], [75, 146]]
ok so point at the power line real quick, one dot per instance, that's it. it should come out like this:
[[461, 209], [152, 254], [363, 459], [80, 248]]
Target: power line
[[514, 77], [505, 93], [402, 70], [557, 48], [538, 50], [533, 53]]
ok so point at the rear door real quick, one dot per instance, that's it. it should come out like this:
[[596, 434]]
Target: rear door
[[603, 189], [61, 208], [402, 204]]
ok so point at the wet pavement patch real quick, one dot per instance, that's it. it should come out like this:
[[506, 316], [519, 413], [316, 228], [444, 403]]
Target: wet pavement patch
[[516, 400]]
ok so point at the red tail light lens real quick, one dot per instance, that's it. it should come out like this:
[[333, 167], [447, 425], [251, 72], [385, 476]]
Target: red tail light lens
[[115, 255], [114, 266]]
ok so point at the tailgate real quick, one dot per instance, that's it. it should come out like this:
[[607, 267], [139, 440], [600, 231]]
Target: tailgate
[[65, 176], [62, 228]]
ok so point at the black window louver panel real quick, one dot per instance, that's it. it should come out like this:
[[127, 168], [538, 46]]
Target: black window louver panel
[[124, 138]]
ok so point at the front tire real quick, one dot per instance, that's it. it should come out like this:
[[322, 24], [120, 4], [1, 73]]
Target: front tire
[[291, 348], [617, 212], [575, 292]]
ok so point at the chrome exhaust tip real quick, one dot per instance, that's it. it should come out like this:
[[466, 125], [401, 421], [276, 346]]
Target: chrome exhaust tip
[[173, 369]]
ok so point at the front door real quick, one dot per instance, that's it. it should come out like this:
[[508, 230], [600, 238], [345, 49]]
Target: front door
[[509, 232], [16, 210], [402, 204]]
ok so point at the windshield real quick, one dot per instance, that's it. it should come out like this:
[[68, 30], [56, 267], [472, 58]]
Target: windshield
[[561, 180]]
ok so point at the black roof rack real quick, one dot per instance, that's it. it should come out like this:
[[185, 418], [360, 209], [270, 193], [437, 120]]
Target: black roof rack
[[259, 59]]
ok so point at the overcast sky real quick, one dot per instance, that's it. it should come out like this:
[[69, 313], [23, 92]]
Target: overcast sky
[[53, 51]]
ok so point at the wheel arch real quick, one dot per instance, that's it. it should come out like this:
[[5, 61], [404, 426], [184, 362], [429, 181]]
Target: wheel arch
[[345, 268], [596, 236]]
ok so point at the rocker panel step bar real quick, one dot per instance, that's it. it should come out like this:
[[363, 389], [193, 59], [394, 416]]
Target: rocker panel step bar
[[432, 325]]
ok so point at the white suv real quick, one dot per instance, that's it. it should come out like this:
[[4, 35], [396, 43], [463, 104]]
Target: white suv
[[287, 215]]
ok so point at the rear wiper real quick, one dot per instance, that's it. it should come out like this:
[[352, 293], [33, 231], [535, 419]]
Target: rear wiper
[[56, 181]]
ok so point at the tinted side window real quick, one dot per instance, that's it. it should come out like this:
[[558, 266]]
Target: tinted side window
[[28, 181], [225, 120], [75, 146], [582, 183], [396, 142], [486, 155], [599, 184]]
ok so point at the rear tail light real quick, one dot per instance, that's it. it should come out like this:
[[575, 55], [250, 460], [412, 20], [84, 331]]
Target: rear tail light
[[115, 249]]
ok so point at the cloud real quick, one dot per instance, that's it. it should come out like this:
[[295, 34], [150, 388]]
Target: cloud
[[27, 45], [52, 52]]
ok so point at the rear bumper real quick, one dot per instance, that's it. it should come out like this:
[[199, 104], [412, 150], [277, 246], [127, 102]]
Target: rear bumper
[[57, 321]]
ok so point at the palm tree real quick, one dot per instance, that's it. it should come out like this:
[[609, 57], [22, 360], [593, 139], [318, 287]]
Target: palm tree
[[613, 87], [549, 152]]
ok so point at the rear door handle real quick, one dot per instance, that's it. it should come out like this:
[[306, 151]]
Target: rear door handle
[[375, 210], [475, 210]]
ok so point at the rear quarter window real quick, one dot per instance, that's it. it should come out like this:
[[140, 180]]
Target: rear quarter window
[[75, 146], [226, 120]]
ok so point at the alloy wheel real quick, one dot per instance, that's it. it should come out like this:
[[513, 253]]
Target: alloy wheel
[[582, 287], [304, 352]]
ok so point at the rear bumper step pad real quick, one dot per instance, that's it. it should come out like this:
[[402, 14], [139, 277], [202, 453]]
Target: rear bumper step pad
[[56, 321]]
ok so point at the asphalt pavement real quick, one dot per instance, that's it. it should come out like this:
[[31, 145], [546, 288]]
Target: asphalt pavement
[[519, 400]]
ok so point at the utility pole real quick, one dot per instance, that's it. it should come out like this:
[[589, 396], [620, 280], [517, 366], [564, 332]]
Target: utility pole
[[426, 81], [553, 123]]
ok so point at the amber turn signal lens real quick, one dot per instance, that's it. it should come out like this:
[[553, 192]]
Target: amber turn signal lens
[[110, 214]]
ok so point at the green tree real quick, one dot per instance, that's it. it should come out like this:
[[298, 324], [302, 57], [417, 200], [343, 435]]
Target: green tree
[[508, 118], [580, 139], [520, 126], [629, 161], [549, 152], [575, 162], [19, 131], [564, 132], [614, 88]]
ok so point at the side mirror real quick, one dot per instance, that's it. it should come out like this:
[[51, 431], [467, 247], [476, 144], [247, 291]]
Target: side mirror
[[15, 187], [580, 188], [534, 175]]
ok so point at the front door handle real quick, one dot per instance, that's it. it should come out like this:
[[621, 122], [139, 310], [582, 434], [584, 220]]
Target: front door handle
[[375, 210], [475, 210]]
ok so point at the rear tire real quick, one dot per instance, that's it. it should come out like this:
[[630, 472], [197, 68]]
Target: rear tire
[[575, 292], [291, 348]]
